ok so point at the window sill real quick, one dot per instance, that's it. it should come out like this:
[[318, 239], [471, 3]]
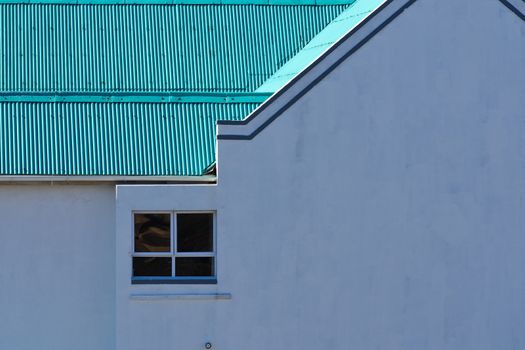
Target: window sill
[[180, 296], [164, 280]]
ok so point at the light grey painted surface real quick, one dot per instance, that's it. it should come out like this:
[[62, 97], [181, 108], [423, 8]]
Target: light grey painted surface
[[169, 322], [384, 210], [57, 289]]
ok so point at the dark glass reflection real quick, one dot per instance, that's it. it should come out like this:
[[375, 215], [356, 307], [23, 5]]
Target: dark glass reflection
[[151, 266], [202, 266], [195, 232], [152, 233]]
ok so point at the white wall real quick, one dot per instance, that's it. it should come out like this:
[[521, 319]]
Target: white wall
[[384, 210], [57, 275]]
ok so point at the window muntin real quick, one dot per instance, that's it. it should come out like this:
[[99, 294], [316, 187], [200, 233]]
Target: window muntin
[[174, 246]]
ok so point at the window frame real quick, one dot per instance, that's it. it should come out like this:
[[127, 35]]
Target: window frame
[[173, 253]]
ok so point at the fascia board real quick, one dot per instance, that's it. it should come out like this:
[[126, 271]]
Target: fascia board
[[17, 179]]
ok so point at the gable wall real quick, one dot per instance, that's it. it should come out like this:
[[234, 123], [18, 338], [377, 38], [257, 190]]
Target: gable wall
[[383, 210], [387, 203]]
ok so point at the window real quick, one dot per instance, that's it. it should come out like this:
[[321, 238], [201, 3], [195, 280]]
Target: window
[[174, 247]]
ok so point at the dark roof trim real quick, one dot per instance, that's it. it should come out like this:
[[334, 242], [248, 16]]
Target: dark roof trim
[[402, 5], [516, 6]]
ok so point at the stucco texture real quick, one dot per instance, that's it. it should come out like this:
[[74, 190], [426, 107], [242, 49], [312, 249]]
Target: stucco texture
[[383, 210], [57, 263]]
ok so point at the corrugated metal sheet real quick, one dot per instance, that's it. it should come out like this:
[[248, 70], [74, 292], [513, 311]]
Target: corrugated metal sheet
[[111, 138], [130, 48], [136, 90]]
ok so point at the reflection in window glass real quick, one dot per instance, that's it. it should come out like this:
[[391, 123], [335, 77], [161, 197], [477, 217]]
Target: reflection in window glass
[[151, 266], [164, 253], [201, 266], [195, 232], [152, 233]]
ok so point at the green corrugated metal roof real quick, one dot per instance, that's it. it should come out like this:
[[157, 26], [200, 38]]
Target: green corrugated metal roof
[[105, 87], [111, 138], [151, 48]]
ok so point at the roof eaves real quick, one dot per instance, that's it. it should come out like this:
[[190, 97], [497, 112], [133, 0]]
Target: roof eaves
[[32, 179]]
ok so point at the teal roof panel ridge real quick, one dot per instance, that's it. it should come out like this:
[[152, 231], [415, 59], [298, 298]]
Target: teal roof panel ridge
[[340, 26], [151, 48]]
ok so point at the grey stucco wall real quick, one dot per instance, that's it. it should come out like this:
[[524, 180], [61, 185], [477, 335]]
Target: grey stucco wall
[[388, 202], [384, 210], [57, 275]]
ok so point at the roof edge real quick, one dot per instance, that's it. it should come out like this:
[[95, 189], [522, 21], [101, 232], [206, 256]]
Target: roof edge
[[27, 179], [343, 48]]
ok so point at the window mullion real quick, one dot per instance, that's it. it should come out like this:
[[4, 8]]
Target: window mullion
[[174, 241], [133, 233], [214, 250]]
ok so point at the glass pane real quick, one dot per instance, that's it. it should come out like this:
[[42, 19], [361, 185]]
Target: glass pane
[[202, 266], [195, 232], [152, 233], [152, 266]]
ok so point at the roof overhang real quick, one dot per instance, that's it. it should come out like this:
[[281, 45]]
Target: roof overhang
[[29, 179]]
